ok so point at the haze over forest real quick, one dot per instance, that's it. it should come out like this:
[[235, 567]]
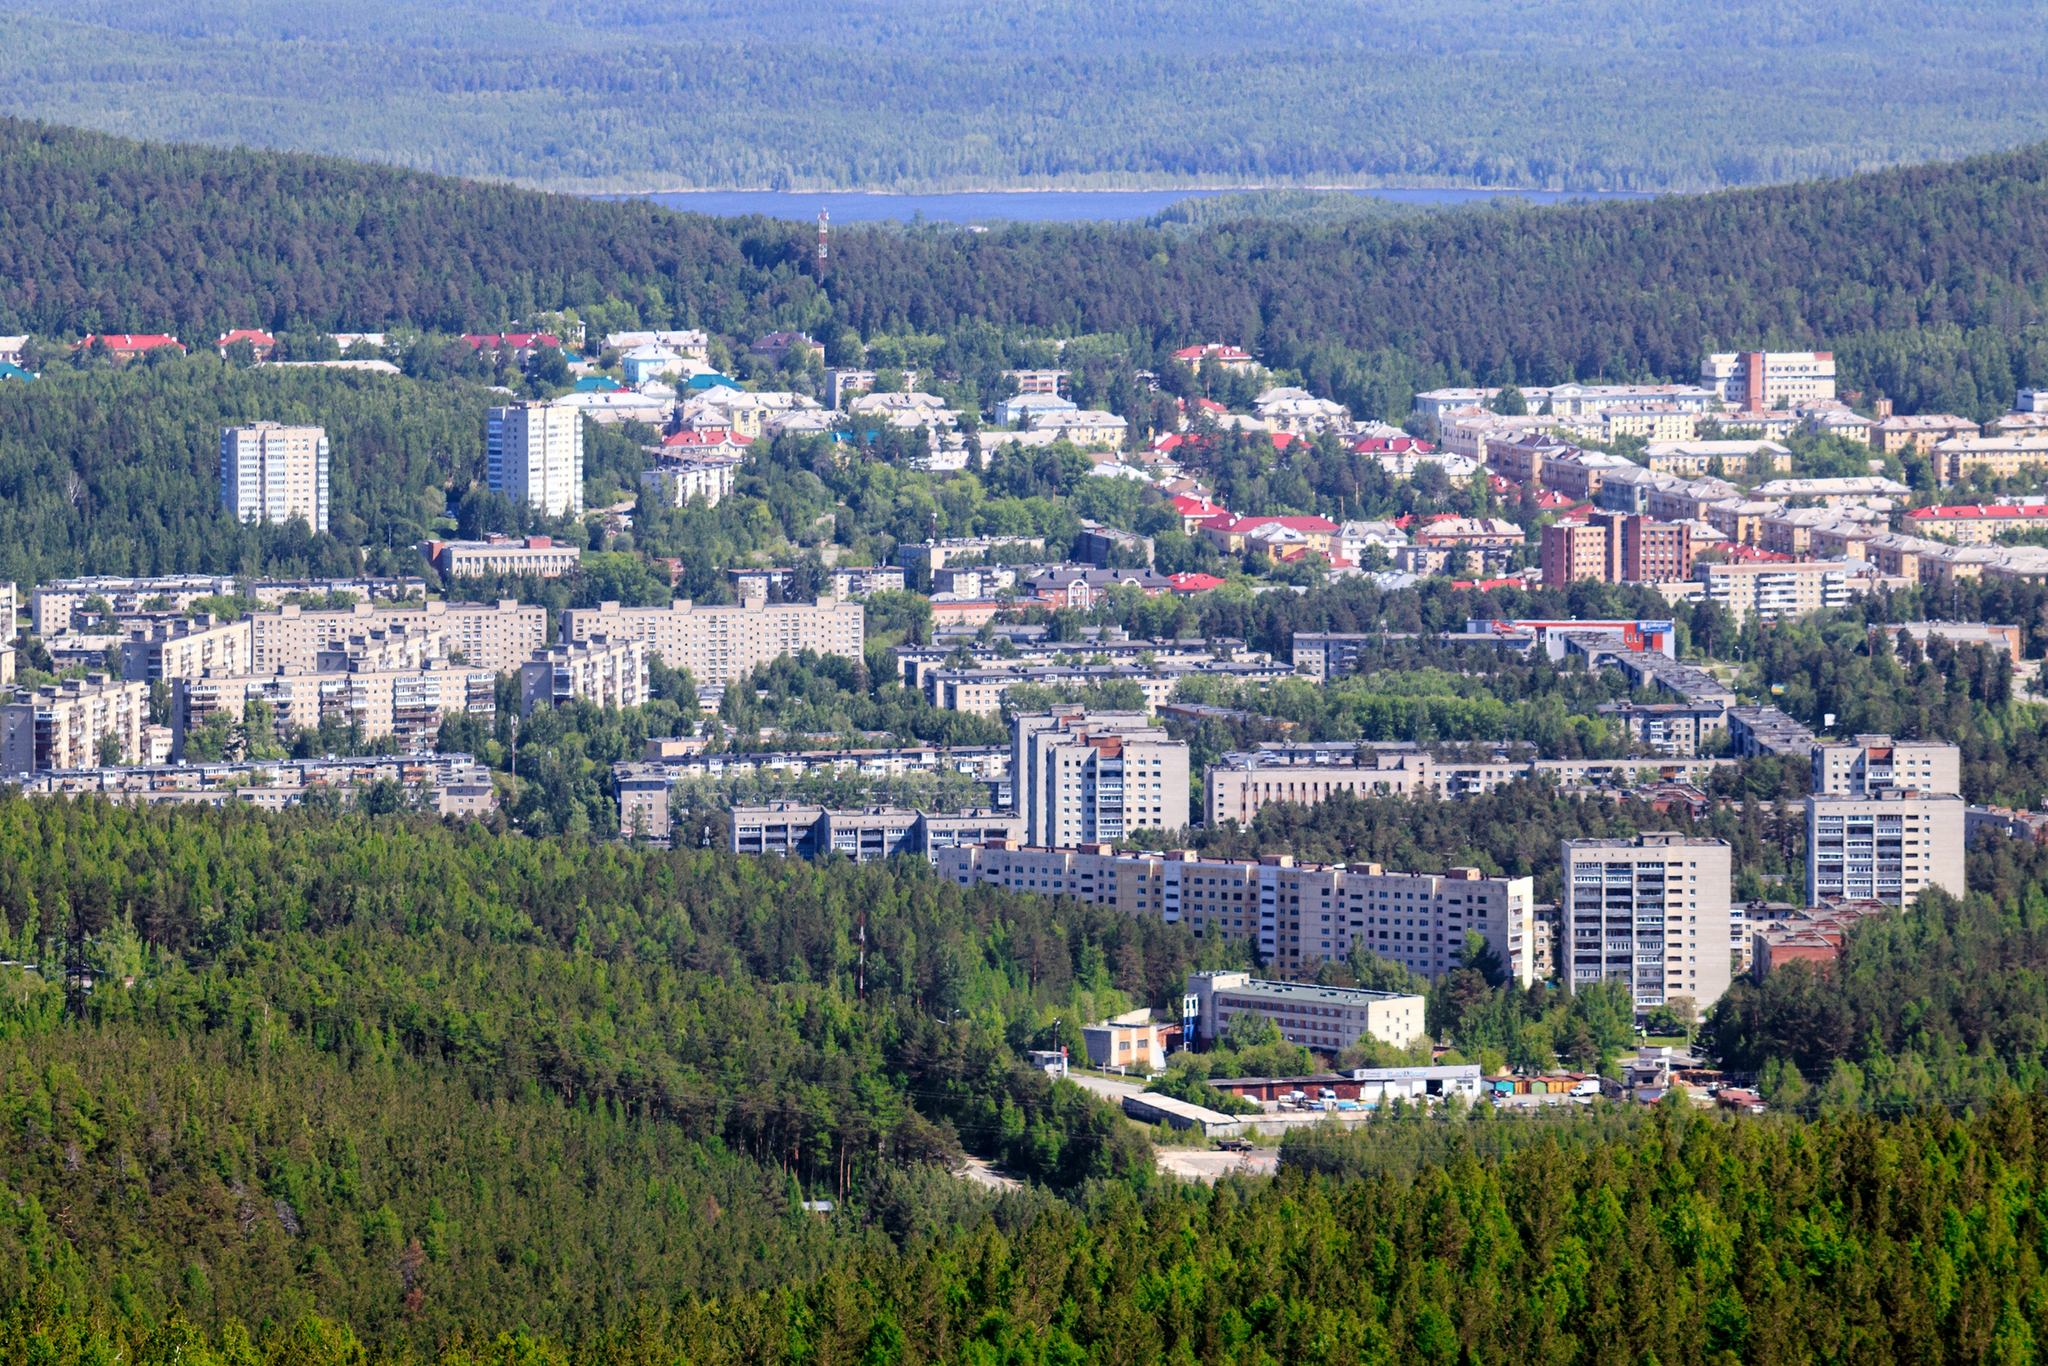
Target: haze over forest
[[1583, 94]]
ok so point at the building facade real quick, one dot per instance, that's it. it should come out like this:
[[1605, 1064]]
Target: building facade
[[1082, 777], [1293, 916], [272, 473], [1764, 380], [722, 644], [185, 647], [606, 671], [1328, 1019], [1890, 846], [535, 453], [1652, 914], [1777, 590], [61, 725], [539, 556], [495, 637], [1876, 763]]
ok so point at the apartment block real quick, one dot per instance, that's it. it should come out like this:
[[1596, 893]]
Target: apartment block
[[1082, 777], [798, 830], [60, 725], [709, 477], [1293, 916], [1651, 913], [409, 703], [1235, 787], [1695, 458], [1678, 729], [272, 473], [1574, 552], [2000, 457], [1328, 1019], [539, 556], [1765, 380], [1655, 552], [606, 671], [492, 637], [1876, 763], [54, 604], [1977, 524], [722, 644], [1774, 591], [535, 453], [1921, 432], [1889, 846], [185, 647], [855, 582]]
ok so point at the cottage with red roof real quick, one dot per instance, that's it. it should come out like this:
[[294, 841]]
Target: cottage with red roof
[[1228, 533], [1231, 358], [262, 342], [1195, 510], [126, 346]]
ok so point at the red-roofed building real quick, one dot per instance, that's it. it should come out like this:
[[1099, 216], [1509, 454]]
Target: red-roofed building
[[1976, 524], [1229, 357], [1283, 441], [128, 345], [1194, 511], [1749, 554], [1211, 407], [262, 342], [1502, 488], [1227, 533], [1194, 583], [706, 439], [520, 344], [1550, 500], [1391, 445]]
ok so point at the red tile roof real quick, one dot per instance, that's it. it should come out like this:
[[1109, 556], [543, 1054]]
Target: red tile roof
[[1391, 445], [1194, 583], [247, 334], [131, 341]]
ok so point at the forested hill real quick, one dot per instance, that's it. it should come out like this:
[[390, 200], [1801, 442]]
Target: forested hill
[[98, 232]]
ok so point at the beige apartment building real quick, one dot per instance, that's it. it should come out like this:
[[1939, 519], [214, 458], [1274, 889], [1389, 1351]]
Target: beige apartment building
[[1776, 591], [185, 647], [1889, 845], [1294, 915], [611, 672], [496, 637], [1692, 458], [1922, 432], [272, 473], [722, 644], [1082, 777], [407, 702], [535, 456], [1650, 913], [1876, 763], [2001, 457], [60, 725]]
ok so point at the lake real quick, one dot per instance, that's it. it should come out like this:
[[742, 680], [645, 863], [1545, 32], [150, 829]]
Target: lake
[[1031, 206]]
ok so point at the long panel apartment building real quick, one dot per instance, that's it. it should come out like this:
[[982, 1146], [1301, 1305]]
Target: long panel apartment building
[[722, 644], [496, 637], [1295, 916], [1650, 913]]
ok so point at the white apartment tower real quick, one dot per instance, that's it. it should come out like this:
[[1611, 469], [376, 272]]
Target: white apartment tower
[[1870, 764], [272, 473], [1652, 913], [1082, 778], [536, 456]]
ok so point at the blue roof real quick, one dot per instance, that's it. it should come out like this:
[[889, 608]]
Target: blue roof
[[591, 384], [9, 370], [712, 381]]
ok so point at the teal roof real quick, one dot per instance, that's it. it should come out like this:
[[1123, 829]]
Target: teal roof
[[712, 381], [9, 370], [592, 384]]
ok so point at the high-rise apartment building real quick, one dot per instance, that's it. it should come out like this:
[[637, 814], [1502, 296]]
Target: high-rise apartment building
[[1758, 380], [1889, 845], [608, 672], [536, 456], [722, 644], [272, 473], [61, 725], [1876, 763], [1084, 777], [1652, 914], [185, 647]]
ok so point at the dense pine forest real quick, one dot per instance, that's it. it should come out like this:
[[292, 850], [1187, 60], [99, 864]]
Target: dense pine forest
[[1927, 281], [965, 93]]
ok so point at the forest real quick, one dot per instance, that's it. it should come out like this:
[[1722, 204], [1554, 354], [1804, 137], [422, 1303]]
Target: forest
[[1927, 280], [964, 94]]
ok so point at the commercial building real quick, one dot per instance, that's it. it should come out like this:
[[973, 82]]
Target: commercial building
[[536, 555], [1328, 1019], [535, 453], [1083, 777], [490, 636], [1763, 380], [61, 725], [1888, 846], [272, 473], [1652, 914], [607, 671], [1130, 1042], [722, 644], [1876, 763], [1632, 637], [185, 647]]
